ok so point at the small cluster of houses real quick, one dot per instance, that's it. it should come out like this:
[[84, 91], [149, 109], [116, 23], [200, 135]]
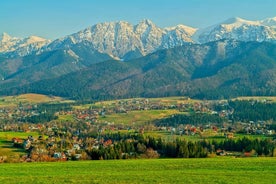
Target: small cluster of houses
[[257, 128], [58, 148]]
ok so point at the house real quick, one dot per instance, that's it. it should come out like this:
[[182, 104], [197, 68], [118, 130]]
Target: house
[[76, 147], [16, 140], [57, 155], [220, 152], [27, 144], [250, 154], [229, 135], [60, 156], [107, 143], [77, 156]]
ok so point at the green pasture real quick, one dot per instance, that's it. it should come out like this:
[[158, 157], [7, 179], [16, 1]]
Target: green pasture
[[68, 117], [6, 148], [30, 98], [137, 117], [209, 170], [168, 136], [206, 135], [9, 135]]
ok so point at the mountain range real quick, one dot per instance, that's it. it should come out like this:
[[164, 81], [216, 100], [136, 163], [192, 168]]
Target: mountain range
[[122, 40], [118, 60]]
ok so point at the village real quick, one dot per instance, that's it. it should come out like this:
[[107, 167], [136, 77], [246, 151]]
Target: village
[[71, 131]]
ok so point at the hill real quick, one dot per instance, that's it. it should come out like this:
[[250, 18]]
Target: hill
[[52, 64]]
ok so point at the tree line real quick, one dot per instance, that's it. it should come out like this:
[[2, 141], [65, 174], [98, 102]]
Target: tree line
[[193, 119], [253, 110], [140, 146]]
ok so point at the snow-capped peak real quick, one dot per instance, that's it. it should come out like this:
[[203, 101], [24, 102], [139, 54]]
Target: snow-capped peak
[[5, 37], [189, 30], [269, 22], [146, 25], [14, 47], [147, 22], [238, 29], [121, 39], [33, 39], [7, 42], [239, 21]]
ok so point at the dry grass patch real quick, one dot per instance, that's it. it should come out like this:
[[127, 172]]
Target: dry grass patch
[[260, 98], [38, 98]]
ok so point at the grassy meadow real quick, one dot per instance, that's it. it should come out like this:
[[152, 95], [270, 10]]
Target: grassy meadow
[[210, 170], [137, 117], [6, 144], [13, 101]]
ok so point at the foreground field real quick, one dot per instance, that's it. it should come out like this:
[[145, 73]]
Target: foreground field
[[211, 170]]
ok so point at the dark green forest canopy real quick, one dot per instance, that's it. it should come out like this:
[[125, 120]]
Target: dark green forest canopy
[[193, 119]]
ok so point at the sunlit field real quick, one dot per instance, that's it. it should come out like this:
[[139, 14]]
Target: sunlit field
[[210, 170]]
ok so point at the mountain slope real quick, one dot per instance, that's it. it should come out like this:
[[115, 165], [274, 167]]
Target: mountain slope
[[28, 69], [80, 66], [215, 70]]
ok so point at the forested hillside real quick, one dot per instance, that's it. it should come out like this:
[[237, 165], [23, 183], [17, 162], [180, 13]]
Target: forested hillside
[[215, 70]]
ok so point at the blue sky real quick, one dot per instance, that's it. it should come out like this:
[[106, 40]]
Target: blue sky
[[56, 18]]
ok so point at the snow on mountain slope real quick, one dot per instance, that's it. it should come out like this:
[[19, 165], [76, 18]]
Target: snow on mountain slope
[[119, 38], [238, 29], [13, 46], [178, 35], [149, 35], [269, 22], [7, 42]]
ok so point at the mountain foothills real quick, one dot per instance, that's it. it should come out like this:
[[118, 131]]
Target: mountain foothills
[[119, 60]]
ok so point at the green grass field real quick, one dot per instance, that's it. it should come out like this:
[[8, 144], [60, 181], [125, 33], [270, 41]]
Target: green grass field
[[137, 117], [30, 98], [68, 117], [6, 144], [22, 135], [210, 170]]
